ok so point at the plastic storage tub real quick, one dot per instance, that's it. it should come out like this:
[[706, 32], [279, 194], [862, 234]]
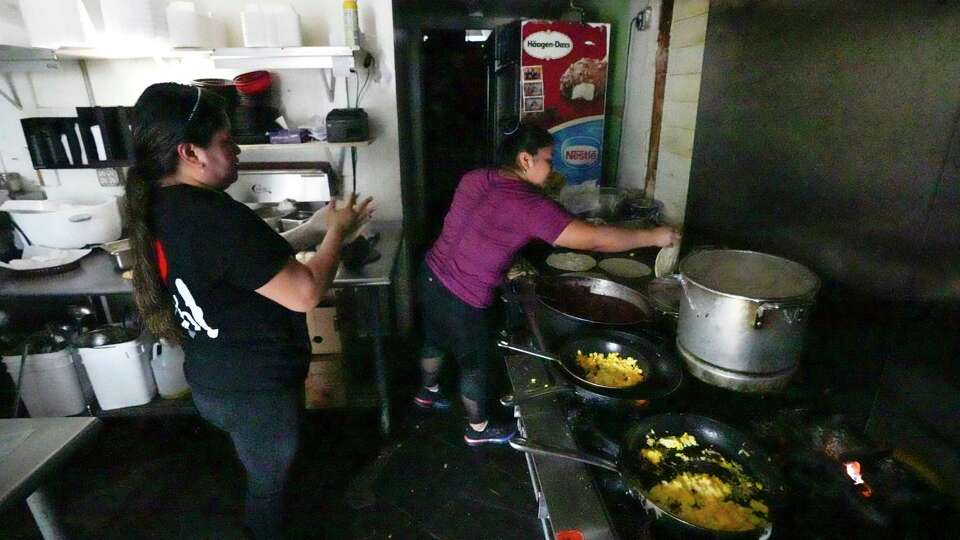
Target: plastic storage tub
[[67, 224], [50, 385], [120, 373]]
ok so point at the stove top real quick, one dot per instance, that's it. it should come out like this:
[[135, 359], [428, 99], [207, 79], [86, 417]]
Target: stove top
[[819, 452], [839, 485]]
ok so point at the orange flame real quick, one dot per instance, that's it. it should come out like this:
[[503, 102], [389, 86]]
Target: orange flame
[[853, 471]]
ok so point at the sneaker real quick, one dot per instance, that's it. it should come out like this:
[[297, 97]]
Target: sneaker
[[425, 399], [495, 433]]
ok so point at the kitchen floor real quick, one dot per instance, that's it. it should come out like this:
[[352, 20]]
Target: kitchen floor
[[175, 477]]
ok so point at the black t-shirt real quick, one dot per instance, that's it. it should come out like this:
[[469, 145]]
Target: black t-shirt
[[217, 253]]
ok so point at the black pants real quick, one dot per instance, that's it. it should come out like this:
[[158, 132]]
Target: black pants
[[454, 327], [265, 428]]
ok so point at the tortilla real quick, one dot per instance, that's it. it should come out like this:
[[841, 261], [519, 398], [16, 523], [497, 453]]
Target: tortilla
[[667, 260], [571, 262], [625, 268]]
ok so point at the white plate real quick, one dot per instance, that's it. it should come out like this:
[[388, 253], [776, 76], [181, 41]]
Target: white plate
[[41, 258]]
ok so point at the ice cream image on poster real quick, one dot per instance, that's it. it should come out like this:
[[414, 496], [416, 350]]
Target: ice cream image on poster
[[577, 150], [192, 321]]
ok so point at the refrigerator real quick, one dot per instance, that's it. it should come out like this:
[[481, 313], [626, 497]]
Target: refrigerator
[[554, 74]]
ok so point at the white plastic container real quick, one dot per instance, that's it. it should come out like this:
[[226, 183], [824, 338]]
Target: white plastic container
[[62, 23], [134, 23], [12, 29], [351, 24], [50, 385], [167, 363], [270, 24], [120, 373], [67, 224], [187, 28]]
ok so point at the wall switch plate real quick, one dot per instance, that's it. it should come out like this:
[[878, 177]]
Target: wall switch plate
[[109, 177]]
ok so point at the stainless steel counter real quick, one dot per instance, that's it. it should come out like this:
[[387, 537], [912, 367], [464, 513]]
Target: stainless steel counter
[[379, 272], [97, 275], [30, 448], [370, 286], [567, 498]]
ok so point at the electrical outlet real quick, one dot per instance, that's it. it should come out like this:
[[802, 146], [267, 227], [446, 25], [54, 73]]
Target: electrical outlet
[[109, 177]]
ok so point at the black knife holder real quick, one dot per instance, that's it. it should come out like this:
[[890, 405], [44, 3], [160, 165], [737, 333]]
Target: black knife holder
[[52, 142], [114, 126]]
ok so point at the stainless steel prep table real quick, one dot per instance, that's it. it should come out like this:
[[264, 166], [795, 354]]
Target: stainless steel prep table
[[30, 448], [373, 284]]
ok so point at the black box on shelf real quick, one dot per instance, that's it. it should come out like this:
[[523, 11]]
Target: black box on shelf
[[347, 125]]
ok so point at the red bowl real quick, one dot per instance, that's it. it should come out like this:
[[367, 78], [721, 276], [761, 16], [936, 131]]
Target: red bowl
[[253, 83]]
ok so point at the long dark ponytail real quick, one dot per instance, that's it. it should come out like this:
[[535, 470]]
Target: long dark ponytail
[[165, 115]]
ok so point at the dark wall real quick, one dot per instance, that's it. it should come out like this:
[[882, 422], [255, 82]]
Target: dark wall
[[823, 133], [829, 132]]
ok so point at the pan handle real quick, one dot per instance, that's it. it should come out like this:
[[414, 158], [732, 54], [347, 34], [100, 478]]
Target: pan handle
[[531, 352], [512, 400], [519, 443]]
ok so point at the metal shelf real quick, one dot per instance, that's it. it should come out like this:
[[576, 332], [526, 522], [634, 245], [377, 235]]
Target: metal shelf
[[26, 59], [83, 53], [335, 57], [312, 145], [338, 59]]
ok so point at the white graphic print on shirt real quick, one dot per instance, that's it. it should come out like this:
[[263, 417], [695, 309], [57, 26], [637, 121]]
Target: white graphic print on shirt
[[192, 321]]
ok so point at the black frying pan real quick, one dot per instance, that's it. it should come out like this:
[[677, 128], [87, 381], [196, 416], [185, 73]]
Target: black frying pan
[[663, 371], [641, 475]]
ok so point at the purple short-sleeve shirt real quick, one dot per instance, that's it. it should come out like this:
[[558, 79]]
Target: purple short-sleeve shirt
[[492, 217]]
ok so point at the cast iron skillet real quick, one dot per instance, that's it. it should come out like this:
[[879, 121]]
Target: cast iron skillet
[[640, 475], [663, 371]]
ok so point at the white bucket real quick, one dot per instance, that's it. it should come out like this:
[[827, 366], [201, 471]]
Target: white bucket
[[167, 364], [50, 385], [120, 374]]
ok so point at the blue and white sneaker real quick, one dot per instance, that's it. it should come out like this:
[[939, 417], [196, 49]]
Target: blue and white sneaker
[[494, 433]]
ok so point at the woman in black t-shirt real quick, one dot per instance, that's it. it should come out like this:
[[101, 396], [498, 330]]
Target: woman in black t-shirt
[[210, 275]]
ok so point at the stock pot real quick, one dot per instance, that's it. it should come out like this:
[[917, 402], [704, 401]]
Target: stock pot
[[743, 317]]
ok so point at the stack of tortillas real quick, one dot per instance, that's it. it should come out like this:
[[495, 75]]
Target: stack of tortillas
[[625, 268], [571, 262]]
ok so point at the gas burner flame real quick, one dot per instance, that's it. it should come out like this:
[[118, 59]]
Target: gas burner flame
[[853, 471]]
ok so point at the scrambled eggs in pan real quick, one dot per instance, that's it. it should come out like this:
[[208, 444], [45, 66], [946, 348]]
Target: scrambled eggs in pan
[[701, 498], [610, 369]]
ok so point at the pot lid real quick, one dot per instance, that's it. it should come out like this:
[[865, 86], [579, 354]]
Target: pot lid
[[108, 335], [665, 294], [749, 274]]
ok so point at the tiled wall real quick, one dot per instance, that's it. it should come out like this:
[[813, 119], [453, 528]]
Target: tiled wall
[[682, 91]]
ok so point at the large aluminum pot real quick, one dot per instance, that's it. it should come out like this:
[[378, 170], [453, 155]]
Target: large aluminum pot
[[574, 302], [743, 317]]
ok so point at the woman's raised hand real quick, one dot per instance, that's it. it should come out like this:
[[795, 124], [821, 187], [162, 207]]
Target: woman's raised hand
[[348, 216]]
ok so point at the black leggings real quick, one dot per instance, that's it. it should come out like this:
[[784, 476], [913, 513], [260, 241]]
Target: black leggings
[[265, 428], [455, 327]]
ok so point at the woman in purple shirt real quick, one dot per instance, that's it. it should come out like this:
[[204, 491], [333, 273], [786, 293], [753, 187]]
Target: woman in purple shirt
[[495, 213]]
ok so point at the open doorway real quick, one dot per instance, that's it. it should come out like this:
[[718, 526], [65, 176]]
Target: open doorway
[[453, 89], [442, 100]]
